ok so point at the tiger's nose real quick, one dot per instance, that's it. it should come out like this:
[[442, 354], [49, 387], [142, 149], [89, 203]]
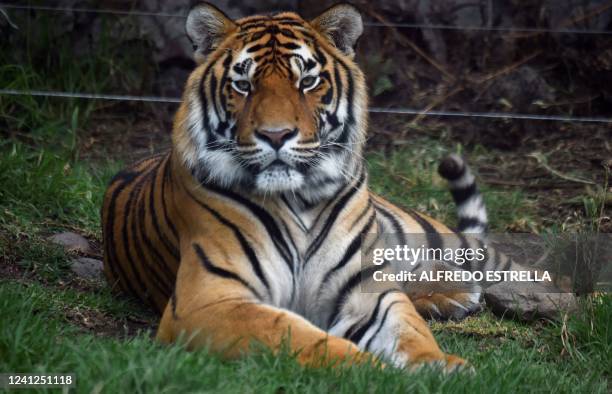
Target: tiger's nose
[[276, 138]]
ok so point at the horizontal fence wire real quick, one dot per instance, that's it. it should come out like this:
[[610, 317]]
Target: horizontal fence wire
[[397, 111], [367, 23], [379, 110]]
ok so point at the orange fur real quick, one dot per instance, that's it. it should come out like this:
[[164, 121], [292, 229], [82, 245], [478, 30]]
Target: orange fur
[[179, 245]]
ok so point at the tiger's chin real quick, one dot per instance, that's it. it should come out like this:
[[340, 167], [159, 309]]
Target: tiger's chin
[[278, 179]]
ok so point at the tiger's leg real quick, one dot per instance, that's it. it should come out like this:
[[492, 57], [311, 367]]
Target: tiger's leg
[[439, 300], [388, 325], [229, 326], [447, 306], [221, 313], [443, 300]]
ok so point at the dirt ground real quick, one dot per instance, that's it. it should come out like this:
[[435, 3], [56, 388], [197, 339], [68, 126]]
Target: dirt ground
[[556, 164]]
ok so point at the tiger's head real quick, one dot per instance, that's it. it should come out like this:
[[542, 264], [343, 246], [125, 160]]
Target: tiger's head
[[276, 103]]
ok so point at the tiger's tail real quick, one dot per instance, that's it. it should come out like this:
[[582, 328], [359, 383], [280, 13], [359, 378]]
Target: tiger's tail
[[471, 210]]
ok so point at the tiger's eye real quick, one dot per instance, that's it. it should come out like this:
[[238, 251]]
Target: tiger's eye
[[242, 86], [308, 82]]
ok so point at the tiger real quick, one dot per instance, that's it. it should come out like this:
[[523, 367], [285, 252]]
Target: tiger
[[249, 229]]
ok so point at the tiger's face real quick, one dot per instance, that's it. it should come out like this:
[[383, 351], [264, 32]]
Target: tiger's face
[[276, 104]]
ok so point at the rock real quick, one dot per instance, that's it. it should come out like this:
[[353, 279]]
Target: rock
[[528, 302], [87, 268], [523, 89], [72, 242]]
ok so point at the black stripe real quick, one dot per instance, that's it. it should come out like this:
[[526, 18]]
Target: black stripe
[[327, 181], [117, 271], [350, 284], [287, 19], [161, 261], [170, 247], [254, 24], [173, 302], [128, 213], [363, 213], [320, 56], [244, 244], [213, 92], [288, 33], [339, 86], [202, 93], [289, 45], [274, 26], [350, 92], [287, 68], [469, 264], [382, 323], [258, 58], [349, 253], [310, 64], [138, 227], [141, 232], [293, 280], [257, 36], [397, 227], [346, 131], [469, 221], [433, 237], [258, 47], [309, 37], [265, 218], [204, 100], [138, 231], [286, 228], [213, 269], [449, 171], [462, 194], [333, 216], [357, 335], [296, 216], [501, 266], [226, 68], [308, 205], [165, 178], [289, 22]]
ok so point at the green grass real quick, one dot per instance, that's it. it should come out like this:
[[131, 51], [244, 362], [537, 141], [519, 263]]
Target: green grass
[[409, 178], [508, 357], [46, 187], [47, 191], [50, 60]]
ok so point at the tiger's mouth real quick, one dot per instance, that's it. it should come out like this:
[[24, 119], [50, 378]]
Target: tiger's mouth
[[277, 165], [278, 176]]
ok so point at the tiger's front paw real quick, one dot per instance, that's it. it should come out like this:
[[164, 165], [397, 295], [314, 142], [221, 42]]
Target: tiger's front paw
[[448, 363], [456, 364], [451, 306]]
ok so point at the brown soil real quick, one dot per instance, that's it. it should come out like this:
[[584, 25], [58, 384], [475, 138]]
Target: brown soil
[[556, 169], [88, 320]]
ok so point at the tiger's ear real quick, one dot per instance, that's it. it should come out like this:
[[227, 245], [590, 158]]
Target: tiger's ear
[[206, 27], [342, 25]]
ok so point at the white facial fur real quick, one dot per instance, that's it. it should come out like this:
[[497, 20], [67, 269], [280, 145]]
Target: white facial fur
[[226, 166]]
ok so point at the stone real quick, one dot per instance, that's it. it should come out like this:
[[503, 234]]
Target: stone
[[87, 268], [72, 242], [529, 302]]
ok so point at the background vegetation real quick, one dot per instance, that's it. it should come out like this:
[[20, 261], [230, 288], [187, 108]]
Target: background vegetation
[[57, 155]]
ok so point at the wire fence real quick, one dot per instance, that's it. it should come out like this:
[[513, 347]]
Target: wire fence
[[393, 110], [140, 13], [380, 110]]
